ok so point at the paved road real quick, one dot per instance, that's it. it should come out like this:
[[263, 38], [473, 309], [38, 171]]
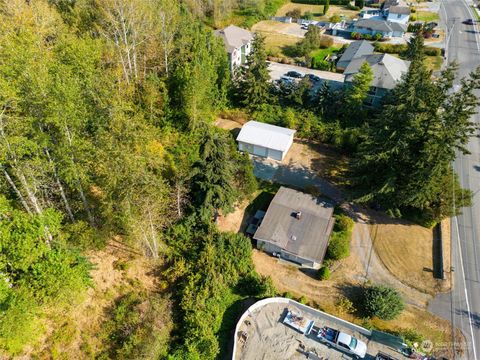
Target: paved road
[[462, 305]]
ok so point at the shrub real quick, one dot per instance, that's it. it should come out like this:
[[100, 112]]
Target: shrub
[[335, 18], [288, 295], [343, 223], [323, 273], [345, 305], [433, 51], [413, 9], [303, 300], [339, 244], [368, 36], [338, 247], [294, 13], [355, 35], [378, 36], [382, 301], [413, 17]]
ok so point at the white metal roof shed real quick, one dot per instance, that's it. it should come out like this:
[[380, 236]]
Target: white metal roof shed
[[266, 135]]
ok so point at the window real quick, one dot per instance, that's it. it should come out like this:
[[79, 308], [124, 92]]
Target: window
[[399, 16], [353, 343], [343, 345]]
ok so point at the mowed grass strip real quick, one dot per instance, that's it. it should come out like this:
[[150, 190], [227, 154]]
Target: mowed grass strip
[[427, 16]]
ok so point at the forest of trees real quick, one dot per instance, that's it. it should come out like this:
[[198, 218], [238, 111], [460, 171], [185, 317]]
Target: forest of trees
[[106, 129]]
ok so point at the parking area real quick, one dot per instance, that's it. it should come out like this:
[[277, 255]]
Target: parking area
[[263, 335], [278, 70]]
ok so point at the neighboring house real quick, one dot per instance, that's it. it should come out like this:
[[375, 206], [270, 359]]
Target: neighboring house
[[387, 4], [238, 43], [387, 72], [355, 50], [372, 27], [296, 227], [399, 14], [265, 140]]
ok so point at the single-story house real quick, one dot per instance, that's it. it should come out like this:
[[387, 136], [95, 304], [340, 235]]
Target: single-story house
[[355, 50], [296, 227], [238, 43], [372, 27], [265, 140], [399, 14], [387, 72]]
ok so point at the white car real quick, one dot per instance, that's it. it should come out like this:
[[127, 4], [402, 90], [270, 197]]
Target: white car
[[343, 341]]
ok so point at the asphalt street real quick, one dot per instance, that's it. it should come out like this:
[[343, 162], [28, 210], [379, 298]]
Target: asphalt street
[[462, 305]]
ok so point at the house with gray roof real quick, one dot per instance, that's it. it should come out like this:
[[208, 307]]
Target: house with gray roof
[[387, 72], [385, 28], [398, 14], [355, 50], [238, 43], [296, 227]]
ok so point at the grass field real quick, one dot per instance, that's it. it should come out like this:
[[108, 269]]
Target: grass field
[[406, 251], [317, 10], [275, 35], [427, 16]]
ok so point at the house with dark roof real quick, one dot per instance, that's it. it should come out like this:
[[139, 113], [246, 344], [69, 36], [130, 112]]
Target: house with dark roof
[[238, 43], [355, 50], [372, 27], [387, 72], [296, 227]]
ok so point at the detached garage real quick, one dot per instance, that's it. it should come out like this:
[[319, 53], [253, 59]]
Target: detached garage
[[265, 140]]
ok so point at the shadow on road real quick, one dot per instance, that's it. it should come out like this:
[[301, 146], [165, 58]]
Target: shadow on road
[[474, 317]]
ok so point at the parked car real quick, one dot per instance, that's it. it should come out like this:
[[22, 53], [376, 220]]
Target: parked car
[[469, 22], [342, 341], [294, 74], [383, 356], [313, 78]]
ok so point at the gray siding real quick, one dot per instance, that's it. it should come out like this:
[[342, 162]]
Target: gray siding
[[261, 151], [271, 248]]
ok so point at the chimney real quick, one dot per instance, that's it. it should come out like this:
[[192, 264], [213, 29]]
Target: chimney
[[298, 215]]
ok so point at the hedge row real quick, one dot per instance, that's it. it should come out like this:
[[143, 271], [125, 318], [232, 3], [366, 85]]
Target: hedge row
[[321, 2], [401, 48]]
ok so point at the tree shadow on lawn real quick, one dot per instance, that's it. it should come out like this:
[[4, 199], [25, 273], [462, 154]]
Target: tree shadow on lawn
[[354, 293]]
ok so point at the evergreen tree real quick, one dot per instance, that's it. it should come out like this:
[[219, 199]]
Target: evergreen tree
[[326, 7], [413, 141], [253, 80], [356, 94]]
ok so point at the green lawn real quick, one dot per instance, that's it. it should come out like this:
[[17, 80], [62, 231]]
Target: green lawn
[[321, 54], [427, 16]]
